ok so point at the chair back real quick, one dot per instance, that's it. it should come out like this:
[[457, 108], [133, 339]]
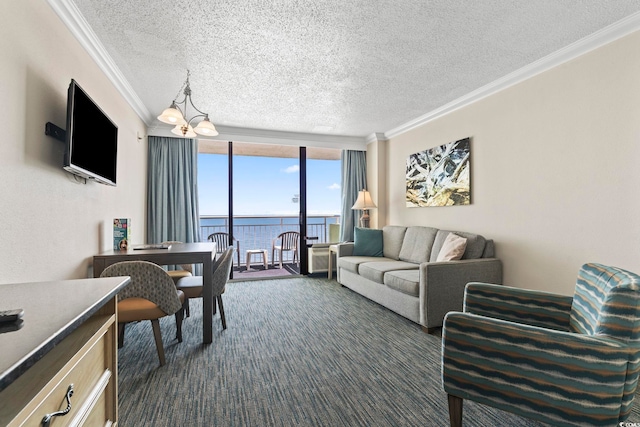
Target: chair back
[[185, 267], [221, 271], [607, 302], [148, 281], [334, 233], [221, 239], [289, 240]]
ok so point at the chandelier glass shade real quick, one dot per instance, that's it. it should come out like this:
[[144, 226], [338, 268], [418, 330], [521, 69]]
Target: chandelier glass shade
[[174, 115]]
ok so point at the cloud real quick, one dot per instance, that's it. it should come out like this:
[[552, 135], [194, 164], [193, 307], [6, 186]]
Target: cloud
[[334, 186], [291, 169]]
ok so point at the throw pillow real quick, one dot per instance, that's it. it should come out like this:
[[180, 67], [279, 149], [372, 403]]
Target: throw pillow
[[367, 242], [452, 248]]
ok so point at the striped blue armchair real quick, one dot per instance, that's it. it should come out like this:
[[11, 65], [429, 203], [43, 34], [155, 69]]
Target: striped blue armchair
[[566, 361]]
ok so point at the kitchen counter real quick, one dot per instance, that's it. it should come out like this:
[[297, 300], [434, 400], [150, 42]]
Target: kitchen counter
[[65, 323]]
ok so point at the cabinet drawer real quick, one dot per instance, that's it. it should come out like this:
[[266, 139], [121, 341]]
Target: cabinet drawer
[[86, 359], [98, 415], [84, 376]]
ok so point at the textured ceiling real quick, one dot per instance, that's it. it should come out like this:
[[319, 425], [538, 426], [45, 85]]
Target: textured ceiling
[[332, 67]]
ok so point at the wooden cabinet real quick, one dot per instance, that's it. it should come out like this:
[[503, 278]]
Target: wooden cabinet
[[82, 355]]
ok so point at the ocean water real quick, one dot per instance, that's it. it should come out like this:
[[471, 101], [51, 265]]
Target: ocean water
[[241, 221]]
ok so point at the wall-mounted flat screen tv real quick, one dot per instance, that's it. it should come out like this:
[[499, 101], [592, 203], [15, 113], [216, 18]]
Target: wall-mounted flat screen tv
[[92, 139]]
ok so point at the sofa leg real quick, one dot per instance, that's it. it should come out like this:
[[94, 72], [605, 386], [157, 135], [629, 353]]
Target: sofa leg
[[430, 331], [455, 410]]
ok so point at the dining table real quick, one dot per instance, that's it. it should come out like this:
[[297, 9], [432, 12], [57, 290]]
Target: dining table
[[174, 254]]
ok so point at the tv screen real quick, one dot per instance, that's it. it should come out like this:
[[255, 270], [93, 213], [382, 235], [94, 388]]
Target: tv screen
[[92, 139]]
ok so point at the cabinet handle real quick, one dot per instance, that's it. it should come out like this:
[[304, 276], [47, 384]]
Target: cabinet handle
[[47, 418]]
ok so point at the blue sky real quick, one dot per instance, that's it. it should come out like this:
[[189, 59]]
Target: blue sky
[[266, 185]]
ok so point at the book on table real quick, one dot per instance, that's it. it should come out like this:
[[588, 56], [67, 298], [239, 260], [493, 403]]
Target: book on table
[[151, 246], [121, 233]]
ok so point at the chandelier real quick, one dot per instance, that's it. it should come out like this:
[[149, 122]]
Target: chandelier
[[175, 116]]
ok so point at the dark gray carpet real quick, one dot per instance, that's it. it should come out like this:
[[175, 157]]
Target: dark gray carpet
[[297, 352]]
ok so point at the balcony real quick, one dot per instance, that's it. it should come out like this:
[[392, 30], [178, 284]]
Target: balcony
[[258, 232]]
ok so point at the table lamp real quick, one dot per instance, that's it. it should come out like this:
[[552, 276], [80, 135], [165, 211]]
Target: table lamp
[[364, 203]]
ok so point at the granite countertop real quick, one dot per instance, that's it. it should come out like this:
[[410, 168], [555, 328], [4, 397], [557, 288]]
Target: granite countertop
[[52, 310]]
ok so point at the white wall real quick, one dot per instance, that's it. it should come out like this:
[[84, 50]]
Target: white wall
[[555, 169], [51, 224]]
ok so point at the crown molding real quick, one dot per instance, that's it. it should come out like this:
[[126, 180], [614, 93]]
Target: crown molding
[[81, 30], [376, 137], [265, 136], [600, 38]]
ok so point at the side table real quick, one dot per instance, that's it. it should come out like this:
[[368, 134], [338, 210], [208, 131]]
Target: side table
[[262, 252], [333, 249]]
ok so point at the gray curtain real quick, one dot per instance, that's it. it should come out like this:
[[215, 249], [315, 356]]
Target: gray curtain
[[354, 179], [172, 190]]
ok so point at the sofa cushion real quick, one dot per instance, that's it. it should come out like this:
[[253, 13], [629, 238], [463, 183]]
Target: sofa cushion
[[375, 270], [417, 243], [475, 244], [452, 248], [489, 249], [405, 281], [352, 263], [367, 242], [392, 237]]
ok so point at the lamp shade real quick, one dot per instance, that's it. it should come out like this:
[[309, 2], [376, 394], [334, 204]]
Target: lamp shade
[[172, 116], [364, 201], [205, 127]]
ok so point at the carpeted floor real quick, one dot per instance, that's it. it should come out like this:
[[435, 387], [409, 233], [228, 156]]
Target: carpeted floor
[[296, 352]]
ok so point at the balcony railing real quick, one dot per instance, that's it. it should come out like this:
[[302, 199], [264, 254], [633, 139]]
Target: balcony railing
[[258, 232]]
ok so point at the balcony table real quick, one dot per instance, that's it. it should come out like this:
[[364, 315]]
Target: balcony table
[[177, 253], [261, 252]]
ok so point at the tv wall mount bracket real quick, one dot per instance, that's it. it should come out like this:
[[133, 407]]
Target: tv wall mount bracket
[[55, 131]]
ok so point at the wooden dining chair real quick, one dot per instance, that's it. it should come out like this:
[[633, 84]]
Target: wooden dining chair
[[150, 295], [285, 242], [221, 240]]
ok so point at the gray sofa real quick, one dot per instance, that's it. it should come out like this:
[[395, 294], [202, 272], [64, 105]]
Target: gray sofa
[[408, 280]]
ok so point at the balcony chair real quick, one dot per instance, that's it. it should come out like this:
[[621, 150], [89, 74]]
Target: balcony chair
[[192, 286], [222, 243], [288, 242], [150, 295], [562, 360]]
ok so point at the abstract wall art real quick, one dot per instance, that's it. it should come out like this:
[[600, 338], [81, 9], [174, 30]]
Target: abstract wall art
[[440, 176]]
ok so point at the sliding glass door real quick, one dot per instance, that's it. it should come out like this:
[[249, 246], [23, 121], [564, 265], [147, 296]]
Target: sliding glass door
[[257, 192]]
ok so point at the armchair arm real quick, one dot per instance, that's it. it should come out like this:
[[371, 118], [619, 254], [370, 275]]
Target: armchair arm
[[344, 249], [442, 285], [558, 377], [536, 308]]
